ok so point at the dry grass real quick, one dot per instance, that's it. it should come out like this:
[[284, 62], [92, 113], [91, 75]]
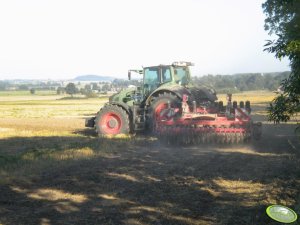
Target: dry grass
[[49, 108], [259, 100], [51, 195], [255, 97], [52, 166]]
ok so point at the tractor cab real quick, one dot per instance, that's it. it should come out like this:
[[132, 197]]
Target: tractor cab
[[164, 75]]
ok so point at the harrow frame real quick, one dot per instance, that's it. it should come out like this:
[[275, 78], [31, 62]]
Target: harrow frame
[[191, 124]]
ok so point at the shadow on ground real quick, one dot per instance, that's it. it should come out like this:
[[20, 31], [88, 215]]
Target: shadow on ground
[[141, 181]]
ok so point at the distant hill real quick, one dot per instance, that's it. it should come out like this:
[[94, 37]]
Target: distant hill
[[93, 78]]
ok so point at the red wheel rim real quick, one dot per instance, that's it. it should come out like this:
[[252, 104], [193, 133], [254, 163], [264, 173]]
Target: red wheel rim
[[159, 108], [111, 123]]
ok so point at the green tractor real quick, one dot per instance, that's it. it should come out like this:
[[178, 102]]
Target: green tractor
[[168, 104]]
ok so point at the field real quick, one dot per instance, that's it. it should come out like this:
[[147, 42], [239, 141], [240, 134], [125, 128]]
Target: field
[[54, 171]]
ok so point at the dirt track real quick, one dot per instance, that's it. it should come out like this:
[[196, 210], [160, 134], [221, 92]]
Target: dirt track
[[141, 181]]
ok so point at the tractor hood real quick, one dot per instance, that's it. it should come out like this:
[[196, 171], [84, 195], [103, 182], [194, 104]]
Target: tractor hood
[[123, 96]]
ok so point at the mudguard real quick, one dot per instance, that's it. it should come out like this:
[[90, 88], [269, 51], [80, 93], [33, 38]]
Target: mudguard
[[122, 105], [177, 90]]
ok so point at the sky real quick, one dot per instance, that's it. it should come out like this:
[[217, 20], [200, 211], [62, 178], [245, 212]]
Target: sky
[[61, 39]]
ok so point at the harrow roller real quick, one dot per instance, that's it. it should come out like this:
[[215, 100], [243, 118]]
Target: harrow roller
[[205, 135]]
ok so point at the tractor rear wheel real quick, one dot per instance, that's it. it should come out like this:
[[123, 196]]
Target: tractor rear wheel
[[112, 119], [158, 104]]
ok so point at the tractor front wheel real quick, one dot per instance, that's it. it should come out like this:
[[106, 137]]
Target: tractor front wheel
[[112, 120]]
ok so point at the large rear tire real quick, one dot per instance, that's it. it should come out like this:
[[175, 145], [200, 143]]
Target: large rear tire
[[158, 104], [112, 120]]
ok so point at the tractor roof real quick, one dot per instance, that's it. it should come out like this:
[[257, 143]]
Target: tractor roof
[[175, 64]]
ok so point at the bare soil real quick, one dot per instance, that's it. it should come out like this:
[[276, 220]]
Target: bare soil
[[143, 181]]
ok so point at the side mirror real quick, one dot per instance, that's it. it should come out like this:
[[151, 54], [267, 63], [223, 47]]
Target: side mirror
[[129, 75]]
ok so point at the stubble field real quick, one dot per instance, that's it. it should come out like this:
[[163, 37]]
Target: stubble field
[[54, 171]]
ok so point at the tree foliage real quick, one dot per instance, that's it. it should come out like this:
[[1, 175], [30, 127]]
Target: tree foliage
[[242, 82], [60, 90], [283, 20], [71, 89], [4, 85], [23, 87], [32, 91]]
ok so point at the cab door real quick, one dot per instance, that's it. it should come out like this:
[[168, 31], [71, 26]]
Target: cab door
[[151, 79]]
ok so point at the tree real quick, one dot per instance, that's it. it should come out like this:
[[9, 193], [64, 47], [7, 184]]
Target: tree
[[95, 86], [87, 87], [71, 89], [60, 90], [23, 87], [3, 85], [32, 91], [105, 87], [283, 20]]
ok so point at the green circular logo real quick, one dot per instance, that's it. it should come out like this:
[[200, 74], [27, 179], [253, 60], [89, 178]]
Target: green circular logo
[[281, 214]]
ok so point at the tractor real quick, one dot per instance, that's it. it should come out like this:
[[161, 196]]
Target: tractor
[[171, 107]]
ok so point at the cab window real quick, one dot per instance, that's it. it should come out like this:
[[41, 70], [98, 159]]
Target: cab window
[[181, 75], [151, 76], [166, 75], [151, 79]]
